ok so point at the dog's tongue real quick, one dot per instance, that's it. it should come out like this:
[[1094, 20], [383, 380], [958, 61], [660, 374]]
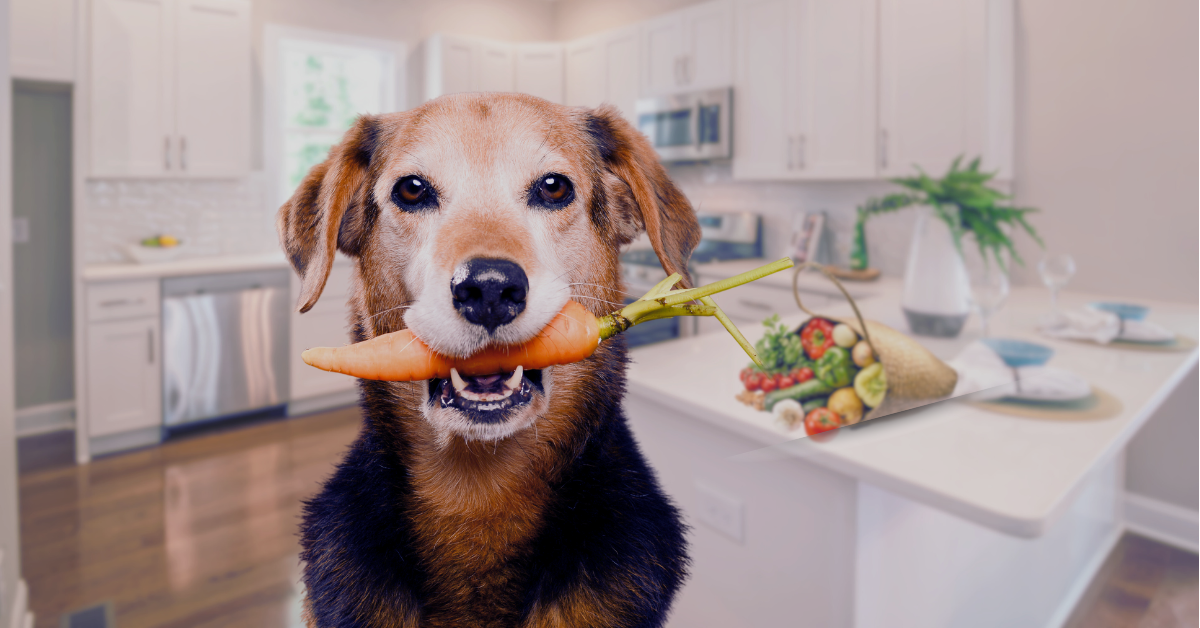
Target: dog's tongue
[[485, 381]]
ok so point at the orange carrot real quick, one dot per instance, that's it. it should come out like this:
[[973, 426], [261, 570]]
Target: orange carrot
[[400, 356], [571, 336]]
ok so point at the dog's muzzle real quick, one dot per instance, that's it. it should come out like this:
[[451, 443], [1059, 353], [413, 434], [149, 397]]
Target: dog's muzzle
[[486, 398]]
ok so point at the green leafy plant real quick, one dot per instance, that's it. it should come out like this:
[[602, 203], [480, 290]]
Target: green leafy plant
[[964, 201]]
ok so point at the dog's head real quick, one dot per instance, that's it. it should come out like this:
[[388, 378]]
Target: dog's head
[[473, 219]]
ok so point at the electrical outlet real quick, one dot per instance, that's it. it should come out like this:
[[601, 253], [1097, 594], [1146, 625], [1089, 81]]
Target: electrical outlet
[[720, 511]]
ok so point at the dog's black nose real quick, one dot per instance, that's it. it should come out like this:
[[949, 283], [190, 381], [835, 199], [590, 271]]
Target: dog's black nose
[[489, 292]]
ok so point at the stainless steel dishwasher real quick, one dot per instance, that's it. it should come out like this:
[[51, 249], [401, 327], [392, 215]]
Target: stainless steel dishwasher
[[225, 343]]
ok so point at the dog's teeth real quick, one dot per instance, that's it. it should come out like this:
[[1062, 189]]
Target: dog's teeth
[[515, 381], [459, 384]]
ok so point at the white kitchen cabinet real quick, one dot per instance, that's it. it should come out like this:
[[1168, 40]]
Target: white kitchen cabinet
[[945, 84], [689, 50], [496, 68], [325, 325], [604, 69], [123, 363], [169, 88], [539, 71], [805, 90], [42, 40]]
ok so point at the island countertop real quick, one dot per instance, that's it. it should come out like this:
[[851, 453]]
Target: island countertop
[[1012, 474]]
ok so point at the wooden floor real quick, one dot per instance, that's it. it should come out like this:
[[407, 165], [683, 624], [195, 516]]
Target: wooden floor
[[201, 533]]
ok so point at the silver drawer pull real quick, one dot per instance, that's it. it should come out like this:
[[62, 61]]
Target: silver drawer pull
[[117, 302], [756, 305]]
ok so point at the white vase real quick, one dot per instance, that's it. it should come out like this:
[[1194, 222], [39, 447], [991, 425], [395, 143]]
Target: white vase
[[937, 290]]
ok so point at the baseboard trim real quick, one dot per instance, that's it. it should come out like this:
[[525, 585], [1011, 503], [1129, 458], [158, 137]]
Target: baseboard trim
[[124, 441], [46, 418], [1080, 586], [321, 403], [1162, 521]]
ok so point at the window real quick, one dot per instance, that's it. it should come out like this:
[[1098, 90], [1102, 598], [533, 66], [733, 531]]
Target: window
[[317, 85]]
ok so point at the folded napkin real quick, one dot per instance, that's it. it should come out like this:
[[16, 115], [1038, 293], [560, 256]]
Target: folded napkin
[[980, 369], [1102, 327]]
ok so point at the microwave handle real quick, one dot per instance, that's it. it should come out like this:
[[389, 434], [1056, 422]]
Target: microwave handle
[[696, 116]]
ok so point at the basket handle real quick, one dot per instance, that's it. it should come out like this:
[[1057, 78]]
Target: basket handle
[[825, 271]]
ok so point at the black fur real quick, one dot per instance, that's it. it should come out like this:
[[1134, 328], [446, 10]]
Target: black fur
[[607, 521]]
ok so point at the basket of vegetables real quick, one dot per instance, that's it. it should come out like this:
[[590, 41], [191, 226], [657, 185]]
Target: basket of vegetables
[[832, 372]]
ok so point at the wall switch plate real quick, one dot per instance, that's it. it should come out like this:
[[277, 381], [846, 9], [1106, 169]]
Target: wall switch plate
[[719, 510]]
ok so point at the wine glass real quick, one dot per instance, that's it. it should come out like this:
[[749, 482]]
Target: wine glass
[[1056, 270], [989, 291]]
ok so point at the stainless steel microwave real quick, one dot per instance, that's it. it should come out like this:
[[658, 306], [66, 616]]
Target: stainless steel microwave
[[695, 126]]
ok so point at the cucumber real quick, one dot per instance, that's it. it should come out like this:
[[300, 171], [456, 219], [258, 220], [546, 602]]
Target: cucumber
[[813, 404], [812, 388]]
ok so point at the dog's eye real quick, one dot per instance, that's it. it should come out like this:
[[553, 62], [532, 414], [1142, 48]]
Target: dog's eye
[[553, 191], [411, 193]]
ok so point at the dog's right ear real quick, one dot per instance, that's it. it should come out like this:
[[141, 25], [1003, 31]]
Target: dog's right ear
[[308, 223]]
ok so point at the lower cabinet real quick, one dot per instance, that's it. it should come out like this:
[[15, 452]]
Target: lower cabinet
[[325, 325], [123, 375]]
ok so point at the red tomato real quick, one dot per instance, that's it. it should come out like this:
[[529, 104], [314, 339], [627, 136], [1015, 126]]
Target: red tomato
[[768, 384], [786, 381], [778, 377], [745, 373], [803, 375], [821, 420], [753, 381]]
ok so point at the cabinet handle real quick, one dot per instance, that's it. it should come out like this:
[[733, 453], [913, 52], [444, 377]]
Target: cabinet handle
[[679, 70], [167, 152], [803, 145], [791, 151], [883, 148], [183, 152], [116, 302], [687, 69], [150, 345]]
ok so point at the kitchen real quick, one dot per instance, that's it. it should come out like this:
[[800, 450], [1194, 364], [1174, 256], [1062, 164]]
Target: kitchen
[[196, 119]]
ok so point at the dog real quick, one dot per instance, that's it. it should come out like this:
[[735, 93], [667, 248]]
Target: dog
[[514, 499]]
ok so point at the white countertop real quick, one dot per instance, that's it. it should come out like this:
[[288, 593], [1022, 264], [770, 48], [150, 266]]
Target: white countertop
[[177, 268], [810, 281], [1016, 475]]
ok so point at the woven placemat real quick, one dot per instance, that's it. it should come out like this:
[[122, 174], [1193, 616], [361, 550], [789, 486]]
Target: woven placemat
[[1098, 405], [1181, 343]]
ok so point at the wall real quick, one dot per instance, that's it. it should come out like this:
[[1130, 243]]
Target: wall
[[42, 265], [576, 18]]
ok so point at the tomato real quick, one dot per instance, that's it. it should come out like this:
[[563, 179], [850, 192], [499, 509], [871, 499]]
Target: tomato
[[816, 337], [746, 372], [787, 381], [753, 381], [821, 420], [768, 384], [803, 375], [778, 377]]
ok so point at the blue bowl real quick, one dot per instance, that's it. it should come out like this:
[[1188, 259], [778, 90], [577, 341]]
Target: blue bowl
[[1018, 353], [1124, 311]]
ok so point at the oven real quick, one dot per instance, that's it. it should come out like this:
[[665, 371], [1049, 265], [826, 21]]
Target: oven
[[695, 126]]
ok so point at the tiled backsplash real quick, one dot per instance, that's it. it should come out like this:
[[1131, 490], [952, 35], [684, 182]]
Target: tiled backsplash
[[210, 217], [711, 187]]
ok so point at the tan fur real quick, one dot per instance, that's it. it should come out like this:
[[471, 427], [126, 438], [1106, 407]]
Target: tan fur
[[480, 501]]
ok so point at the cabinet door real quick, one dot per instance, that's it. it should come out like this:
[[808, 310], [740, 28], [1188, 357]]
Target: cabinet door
[[325, 325], [835, 138], [585, 73], [123, 376], [933, 82], [42, 45], [664, 46], [451, 66], [131, 96], [539, 71], [212, 94], [495, 68], [764, 92], [622, 62], [708, 61]]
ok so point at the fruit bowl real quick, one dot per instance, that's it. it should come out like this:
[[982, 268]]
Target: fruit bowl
[[152, 254]]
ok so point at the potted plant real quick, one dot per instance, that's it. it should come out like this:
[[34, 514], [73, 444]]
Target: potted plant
[[937, 291]]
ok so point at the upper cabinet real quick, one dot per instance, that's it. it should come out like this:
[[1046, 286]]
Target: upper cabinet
[[604, 69], [859, 89], [42, 40], [804, 93], [689, 50], [453, 64], [169, 88], [946, 76]]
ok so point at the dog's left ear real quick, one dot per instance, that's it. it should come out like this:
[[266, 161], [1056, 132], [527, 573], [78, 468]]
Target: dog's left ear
[[308, 223], [665, 211]]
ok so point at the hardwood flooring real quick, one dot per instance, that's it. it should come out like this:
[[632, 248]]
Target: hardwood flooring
[[201, 533]]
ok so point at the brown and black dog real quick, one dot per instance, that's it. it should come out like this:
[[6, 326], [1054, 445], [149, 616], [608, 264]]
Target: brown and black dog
[[514, 499]]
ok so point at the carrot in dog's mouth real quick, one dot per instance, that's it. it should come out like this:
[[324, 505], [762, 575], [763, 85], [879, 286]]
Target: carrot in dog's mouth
[[485, 396]]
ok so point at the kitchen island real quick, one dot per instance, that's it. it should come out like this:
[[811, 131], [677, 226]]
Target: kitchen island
[[946, 515]]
